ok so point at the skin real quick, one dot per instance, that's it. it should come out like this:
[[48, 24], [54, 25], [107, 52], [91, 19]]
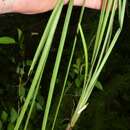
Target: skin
[[40, 6]]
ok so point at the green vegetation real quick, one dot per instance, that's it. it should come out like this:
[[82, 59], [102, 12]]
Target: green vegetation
[[63, 86]]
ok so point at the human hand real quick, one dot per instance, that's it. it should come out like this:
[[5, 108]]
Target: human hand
[[40, 6]]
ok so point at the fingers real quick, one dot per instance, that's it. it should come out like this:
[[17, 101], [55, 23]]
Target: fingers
[[33, 6], [6, 6], [40, 6]]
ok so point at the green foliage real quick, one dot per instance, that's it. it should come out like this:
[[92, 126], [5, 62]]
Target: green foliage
[[10, 126], [81, 77], [99, 85], [13, 115], [9, 118], [91, 75], [7, 40], [22, 93], [4, 116]]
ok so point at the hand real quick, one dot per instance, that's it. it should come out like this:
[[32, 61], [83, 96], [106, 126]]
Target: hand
[[40, 6]]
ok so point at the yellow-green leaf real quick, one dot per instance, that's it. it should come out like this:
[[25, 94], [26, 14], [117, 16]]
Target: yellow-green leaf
[[7, 40]]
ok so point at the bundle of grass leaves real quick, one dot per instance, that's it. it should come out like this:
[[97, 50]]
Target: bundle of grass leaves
[[106, 38]]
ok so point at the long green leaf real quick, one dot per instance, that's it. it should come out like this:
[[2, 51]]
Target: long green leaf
[[57, 63], [39, 68]]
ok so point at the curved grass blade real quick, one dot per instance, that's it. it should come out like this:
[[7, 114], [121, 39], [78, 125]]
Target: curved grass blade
[[89, 87]]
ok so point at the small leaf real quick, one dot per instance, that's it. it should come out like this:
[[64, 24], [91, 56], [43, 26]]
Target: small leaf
[[10, 126], [99, 86], [78, 62], [78, 91], [72, 74], [29, 62], [22, 91], [68, 84], [20, 38], [81, 78], [78, 82], [20, 33], [4, 116], [76, 71], [7, 40], [39, 106], [13, 115], [40, 100]]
